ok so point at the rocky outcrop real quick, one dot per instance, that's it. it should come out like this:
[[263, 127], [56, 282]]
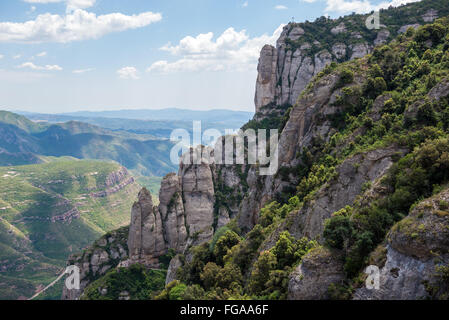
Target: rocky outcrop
[[197, 183], [382, 37], [311, 279], [339, 29], [146, 239], [351, 176], [284, 71], [266, 79], [360, 50], [441, 90], [171, 209], [415, 246], [185, 215], [175, 264], [404, 28], [430, 15], [105, 254], [307, 122]]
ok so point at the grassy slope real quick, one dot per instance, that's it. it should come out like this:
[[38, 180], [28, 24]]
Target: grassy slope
[[33, 251]]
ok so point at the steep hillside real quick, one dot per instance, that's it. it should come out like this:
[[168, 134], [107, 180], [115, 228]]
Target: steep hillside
[[365, 141], [362, 180], [23, 141], [50, 210]]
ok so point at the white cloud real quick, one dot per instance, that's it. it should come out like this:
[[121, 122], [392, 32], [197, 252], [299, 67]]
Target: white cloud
[[280, 7], [343, 6], [41, 54], [76, 26], [17, 56], [80, 71], [79, 4], [232, 50], [128, 73], [47, 67], [1, 56], [245, 4]]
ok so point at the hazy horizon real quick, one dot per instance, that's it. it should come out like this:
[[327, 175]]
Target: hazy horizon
[[118, 109]]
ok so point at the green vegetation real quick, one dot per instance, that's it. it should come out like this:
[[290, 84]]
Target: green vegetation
[[408, 76], [47, 212], [133, 283], [438, 287], [319, 31], [235, 267], [401, 74]]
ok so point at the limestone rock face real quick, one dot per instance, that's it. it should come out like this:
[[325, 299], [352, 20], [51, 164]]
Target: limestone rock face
[[403, 29], [283, 73], [416, 245], [430, 15], [185, 214], [382, 37], [338, 29], [360, 50], [146, 241], [266, 79], [352, 174], [441, 90], [285, 70], [198, 193], [171, 209], [175, 263], [97, 260], [339, 50], [401, 278], [311, 279]]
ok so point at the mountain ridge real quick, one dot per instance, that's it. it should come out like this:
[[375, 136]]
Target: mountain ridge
[[363, 179]]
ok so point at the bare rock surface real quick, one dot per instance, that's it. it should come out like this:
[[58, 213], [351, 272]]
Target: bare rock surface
[[311, 279], [415, 246]]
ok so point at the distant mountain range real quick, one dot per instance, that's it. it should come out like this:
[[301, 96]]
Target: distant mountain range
[[172, 114], [157, 123], [23, 141]]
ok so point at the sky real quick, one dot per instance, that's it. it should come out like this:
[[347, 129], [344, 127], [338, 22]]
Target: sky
[[69, 55]]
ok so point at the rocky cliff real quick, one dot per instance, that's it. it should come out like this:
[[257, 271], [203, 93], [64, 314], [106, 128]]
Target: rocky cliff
[[360, 144], [300, 54], [102, 256], [184, 217]]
